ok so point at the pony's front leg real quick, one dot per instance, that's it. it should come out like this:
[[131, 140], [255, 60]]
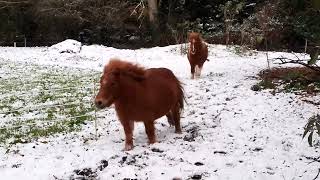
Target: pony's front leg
[[192, 71], [150, 130], [128, 130], [197, 75], [198, 71]]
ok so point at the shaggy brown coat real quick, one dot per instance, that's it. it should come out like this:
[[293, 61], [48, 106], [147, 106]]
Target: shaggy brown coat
[[140, 95], [197, 54]]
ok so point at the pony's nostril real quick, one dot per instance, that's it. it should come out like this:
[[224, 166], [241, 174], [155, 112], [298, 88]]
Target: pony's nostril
[[98, 103]]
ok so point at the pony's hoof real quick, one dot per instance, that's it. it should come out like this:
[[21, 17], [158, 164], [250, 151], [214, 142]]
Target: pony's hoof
[[178, 131], [151, 142], [128, 147]]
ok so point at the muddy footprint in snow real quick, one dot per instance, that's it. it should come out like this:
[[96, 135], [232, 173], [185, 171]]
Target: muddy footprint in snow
[[193, 132], [85, 173]]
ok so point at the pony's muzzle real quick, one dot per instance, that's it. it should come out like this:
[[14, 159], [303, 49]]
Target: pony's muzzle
[[103, 103], [99, 104]]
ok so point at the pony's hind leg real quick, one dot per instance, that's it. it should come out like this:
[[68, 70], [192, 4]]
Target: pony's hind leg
[[150, 130], [176, 118], [170, 118], [199, 71]]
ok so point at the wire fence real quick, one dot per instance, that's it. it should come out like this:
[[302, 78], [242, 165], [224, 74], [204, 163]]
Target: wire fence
[[25, 42]]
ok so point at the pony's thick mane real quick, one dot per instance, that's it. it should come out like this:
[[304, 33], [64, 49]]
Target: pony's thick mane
[[126, 68]]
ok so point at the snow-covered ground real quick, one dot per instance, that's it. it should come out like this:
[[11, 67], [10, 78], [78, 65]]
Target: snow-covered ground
[[229, 131]]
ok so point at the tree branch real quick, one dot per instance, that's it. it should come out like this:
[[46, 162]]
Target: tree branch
[[284, 60], [3, 7], [141, 6], [50, 9], [311, 102], [14, 2], [314, 159], [317, 174]]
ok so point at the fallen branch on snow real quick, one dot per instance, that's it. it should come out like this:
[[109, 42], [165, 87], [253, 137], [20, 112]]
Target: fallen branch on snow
[[285, 60]]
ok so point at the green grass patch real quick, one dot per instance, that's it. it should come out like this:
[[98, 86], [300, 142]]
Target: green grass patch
[[41, 101]]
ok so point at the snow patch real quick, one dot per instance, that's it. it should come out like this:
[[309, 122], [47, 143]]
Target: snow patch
[[229, 131], [67, 46]]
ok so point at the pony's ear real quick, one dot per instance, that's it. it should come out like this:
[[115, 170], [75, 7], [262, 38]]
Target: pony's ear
[[139, 77], [135, 76], [189, 34], [116, 73]]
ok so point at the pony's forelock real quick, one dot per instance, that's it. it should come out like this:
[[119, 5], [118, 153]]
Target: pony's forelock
[[195, 35]]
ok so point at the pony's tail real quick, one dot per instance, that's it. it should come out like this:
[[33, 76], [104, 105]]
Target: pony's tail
[[182, 98], [175, 113]]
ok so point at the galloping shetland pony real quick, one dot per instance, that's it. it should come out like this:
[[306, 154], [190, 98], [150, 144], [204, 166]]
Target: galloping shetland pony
[[142, 95], [197, 54]]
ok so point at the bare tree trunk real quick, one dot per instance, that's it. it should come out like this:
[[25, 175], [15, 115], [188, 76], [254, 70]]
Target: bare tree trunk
[[227, 30], [153, 10], [226, 22], [242, 37], [153, 18], [266, 44], [227, 35], [305, 46]]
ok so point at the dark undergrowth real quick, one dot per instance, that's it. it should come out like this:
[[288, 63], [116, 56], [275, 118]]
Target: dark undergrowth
[[296, 80]]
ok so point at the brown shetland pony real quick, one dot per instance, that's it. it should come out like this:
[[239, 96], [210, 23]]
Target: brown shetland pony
[[140, 95], [197, 54]]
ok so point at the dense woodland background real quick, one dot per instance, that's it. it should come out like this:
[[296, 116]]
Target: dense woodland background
[[272, 24]]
